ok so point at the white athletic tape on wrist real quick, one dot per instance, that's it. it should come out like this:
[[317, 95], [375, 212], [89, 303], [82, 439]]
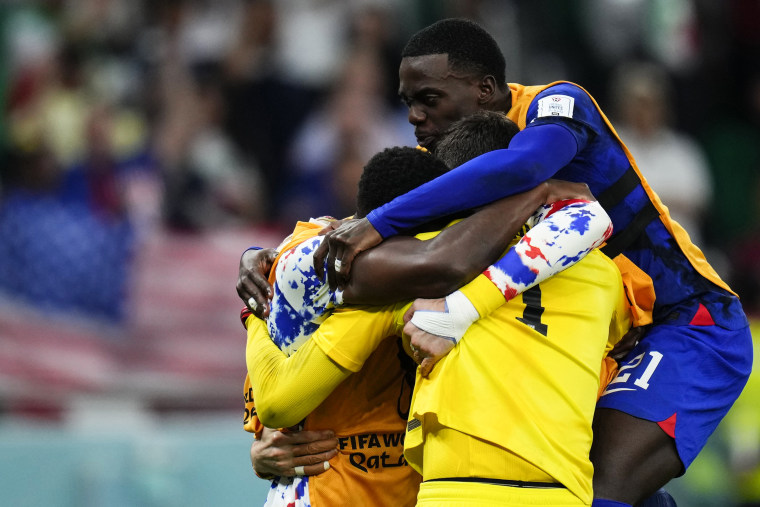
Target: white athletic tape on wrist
[[452, 323]]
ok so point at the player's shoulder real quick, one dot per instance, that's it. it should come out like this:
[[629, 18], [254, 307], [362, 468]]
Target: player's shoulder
[[606, 271], [603, 259], [563, 87], [562, 99], [564, 102]]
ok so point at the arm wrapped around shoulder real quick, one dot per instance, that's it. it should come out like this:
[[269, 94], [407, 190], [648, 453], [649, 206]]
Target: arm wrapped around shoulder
[[563, 233]]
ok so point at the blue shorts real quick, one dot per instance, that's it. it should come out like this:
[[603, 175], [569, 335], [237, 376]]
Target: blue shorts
[[685, 378]]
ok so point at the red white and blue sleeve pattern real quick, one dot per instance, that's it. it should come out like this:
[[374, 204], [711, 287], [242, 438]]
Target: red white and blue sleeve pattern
[[300, 303], [561, 234]]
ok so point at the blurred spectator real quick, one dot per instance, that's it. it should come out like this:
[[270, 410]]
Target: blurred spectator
[[68, 235], [51, 101], [5, 71], [732, 146], [330, 150], [108, 24], [93, 181], [374, 26], [208, 184], [265, 106], [673, 163], [62, 252], [282, 66], [311, 38], [664, 31], [667, 32]]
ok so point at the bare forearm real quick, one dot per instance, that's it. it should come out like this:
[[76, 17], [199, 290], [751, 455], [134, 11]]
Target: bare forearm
[[404, 267]]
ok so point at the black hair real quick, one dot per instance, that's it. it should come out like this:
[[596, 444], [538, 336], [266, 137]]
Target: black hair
[[470, 48], [394, 172], [473, 135]]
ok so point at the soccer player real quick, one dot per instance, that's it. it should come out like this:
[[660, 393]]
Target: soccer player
[[682, 377], [287, 390], [277, 453], [301, 301], [364, 404]]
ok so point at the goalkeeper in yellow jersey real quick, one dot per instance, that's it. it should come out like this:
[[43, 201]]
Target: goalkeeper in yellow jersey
[[284, 396]]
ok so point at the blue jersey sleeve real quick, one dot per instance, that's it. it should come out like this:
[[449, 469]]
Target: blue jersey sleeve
[[567, 105], [482, 180], [563, 117]]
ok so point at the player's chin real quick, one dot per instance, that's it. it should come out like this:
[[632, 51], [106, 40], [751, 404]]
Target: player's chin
[[429, 143]]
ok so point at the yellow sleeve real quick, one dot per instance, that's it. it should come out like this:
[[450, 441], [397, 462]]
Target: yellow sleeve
[[287, 389], [483, 295], [351, 334]]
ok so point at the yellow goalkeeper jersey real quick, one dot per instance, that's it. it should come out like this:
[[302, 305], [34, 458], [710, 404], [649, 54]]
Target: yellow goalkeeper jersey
[[523, 381], [525, 378]]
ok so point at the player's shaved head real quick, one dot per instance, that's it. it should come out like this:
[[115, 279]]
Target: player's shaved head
[[393, 172], [469, 47]]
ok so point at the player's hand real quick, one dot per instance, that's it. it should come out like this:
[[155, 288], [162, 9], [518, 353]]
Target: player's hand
[[340, 247], [427, 349], [560, 190], [332, 225], [252, 285], [279, 453]]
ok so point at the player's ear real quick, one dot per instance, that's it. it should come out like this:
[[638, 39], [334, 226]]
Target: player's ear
[[486, 89]]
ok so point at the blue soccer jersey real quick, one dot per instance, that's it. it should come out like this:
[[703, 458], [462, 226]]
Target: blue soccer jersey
[[683, 290]]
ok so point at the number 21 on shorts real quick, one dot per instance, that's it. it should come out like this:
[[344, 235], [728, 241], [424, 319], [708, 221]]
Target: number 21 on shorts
[[620, 382]]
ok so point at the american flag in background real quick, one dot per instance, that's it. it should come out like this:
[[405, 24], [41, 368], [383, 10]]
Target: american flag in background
[[61, 257], [171, 333]]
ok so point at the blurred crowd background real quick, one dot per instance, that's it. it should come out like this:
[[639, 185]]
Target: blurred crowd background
[[145, 144]]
